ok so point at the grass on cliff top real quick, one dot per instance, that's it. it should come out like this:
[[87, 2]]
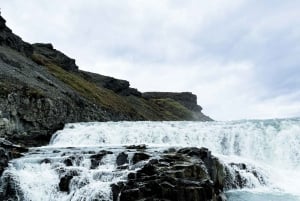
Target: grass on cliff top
[[173, 109], [153, 109], [147, 109], [91, 91]]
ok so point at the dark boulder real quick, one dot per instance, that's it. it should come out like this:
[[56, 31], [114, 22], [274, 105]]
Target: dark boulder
[[96, 158], [203, 153], [147, 170], [46, 160], [176, 176], [66, 176], [122, 159], [140, 146], [73, 160], [68, 162], [139, 156], [64, 183], [214, 167]]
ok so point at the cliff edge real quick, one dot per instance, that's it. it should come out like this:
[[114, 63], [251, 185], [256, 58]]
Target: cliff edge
[[41, 89]]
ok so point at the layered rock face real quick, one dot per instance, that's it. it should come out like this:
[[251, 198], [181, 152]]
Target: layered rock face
[[57, 57], [7, 38], [9, 151], [42, 89], [121, 87], [188, 174], [187, 99]]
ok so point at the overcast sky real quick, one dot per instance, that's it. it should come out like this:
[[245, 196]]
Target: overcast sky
[[240, 57]]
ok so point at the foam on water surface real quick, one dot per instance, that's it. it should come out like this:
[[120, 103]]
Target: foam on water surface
[[274, 141], [270, 147]]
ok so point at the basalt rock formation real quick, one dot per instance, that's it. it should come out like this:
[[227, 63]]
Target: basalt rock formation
[[9, 151], [188, 174], [187, 99], [41, 89]]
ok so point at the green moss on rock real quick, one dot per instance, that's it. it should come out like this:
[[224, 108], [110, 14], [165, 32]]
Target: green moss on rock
[[89, 90], [173, 109]]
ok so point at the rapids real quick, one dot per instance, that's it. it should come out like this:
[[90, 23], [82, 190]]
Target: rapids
[[269, 148]]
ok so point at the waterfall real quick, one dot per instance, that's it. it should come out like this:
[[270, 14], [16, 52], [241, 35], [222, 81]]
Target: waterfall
[[263, 154]]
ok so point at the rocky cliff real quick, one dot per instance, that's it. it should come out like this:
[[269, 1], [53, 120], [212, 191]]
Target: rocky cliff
[[187, 99], [41, 89]]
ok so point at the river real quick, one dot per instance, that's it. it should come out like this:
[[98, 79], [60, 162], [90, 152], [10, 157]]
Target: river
[[270, 148]]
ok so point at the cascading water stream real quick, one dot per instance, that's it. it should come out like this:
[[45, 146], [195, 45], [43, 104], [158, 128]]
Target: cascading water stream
[[265, 153]]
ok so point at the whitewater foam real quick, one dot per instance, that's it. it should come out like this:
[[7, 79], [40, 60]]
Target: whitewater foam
[[270, 148], [274, 141]]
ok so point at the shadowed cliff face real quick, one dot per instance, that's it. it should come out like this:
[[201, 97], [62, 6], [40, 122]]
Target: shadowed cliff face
[[57, 57], [7, 38], [42, 89]]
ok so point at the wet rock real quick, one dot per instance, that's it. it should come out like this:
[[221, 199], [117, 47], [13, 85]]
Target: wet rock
[[130, 194], [222, 197], [66, 175], [176, 176], [10, 189], [214, 167], [171, 158], [131, 176], [3, 160], [194, 151], [9, 151], [140, 146], [68, 162], [147, 170], [116, 189], [95, 163], [73, 160], [96, 158], [88, 152], [64, 183], [122, 167], [46, 160], [122, 159], [241, 166], [235, 178], [170, 150], [139, 156]]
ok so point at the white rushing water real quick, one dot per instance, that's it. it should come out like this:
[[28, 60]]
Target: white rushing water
[[270, 148]]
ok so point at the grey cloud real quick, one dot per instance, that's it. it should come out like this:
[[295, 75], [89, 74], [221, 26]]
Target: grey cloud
[[237, 55]]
